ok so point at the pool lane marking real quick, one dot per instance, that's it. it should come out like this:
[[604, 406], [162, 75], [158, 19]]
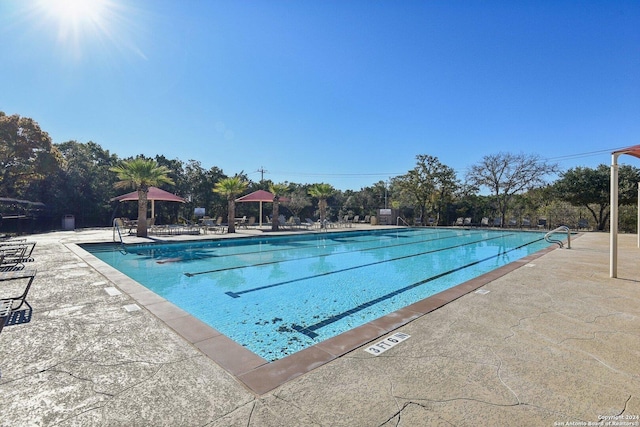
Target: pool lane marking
[[355, 267], [146, 250], [313, 256], [309, 330], [151, 251], [237, 267]]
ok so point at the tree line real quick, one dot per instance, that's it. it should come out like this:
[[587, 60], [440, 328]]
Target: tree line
[[44, 181]]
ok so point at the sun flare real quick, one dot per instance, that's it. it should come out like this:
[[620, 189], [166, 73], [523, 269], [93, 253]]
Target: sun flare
[[77, 23], [75, 12]]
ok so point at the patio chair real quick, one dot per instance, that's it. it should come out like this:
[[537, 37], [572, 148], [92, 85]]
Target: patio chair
[[467, 222], [301, 224], [23, 249], [242, 222], [291, 222], [14, 255], [282, 222], [16, 310], [216, 226], [459, 221], [311, 223], [484, 222]]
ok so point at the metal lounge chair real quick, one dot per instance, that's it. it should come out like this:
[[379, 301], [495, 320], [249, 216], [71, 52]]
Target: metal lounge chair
[[301, 224], [217, 226], [16, 310], [311, 223], [14, 255]]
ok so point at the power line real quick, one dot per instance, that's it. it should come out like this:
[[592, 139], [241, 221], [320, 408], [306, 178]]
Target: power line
[[392, 174], [355, 175], [586, 154]]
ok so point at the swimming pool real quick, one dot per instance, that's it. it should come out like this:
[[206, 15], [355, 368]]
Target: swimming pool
[[279, 295]]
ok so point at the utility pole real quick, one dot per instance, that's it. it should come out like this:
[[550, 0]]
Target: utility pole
[[262, 170]]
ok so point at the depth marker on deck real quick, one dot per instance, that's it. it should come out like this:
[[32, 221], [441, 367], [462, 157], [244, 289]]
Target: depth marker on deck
[[384, 345], [131, 307], [112, 291]]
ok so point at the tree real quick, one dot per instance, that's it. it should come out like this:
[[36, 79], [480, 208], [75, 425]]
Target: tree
[[374, 197], [506, 174], [590, 188], [198, 183], [231, 188], [26, 155], [278, 190], [298, 200], [83, 184], [140, 174], [321, 192], [429, 185]]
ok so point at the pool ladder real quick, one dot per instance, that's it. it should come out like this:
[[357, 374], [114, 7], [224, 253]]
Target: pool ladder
[[562, 229], [401, 219], [116, 229]]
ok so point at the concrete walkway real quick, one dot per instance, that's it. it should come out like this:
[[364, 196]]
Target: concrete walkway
[[555, 342]]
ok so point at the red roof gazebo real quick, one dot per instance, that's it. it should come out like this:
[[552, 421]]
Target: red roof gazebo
[[153, 194], [260, 196]]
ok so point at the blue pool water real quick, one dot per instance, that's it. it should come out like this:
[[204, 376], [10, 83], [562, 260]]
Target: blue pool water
[[279, 295]]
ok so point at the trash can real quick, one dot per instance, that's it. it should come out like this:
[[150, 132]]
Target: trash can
[[68, 222]]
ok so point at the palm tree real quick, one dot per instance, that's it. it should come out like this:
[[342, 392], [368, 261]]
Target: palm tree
[[141, 174], [230, 188], [322, 192], [278, 190]]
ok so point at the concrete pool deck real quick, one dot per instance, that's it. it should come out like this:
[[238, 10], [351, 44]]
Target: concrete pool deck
[[553, 341]]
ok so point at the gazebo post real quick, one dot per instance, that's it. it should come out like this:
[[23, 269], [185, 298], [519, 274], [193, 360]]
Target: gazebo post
[[613, 250], [613, 220]]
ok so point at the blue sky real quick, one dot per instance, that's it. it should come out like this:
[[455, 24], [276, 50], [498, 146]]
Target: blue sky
[[343, 92]]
